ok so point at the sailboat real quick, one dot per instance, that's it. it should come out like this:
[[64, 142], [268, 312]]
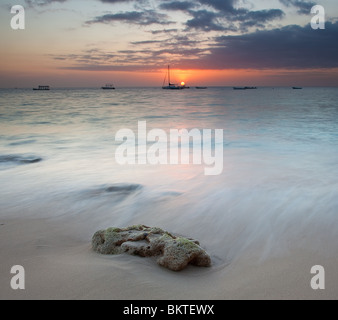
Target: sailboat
[[172, 86], [42, 88], [108, 87]]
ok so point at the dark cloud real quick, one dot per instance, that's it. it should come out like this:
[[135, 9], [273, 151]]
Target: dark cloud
[[170, 43], [205, 15], [99, 67], [148, 55], [291, 47], [178, 5], [303, 6], [164, 31], [115, 1], [138, 4], [257, 19], [288, 47], [220, 15], [146, 42], [146, 17], [261, 16], [221, 5], [238, 20], [41, 2], [206, 21]]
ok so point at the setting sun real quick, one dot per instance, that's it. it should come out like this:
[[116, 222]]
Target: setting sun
[[182, 83]]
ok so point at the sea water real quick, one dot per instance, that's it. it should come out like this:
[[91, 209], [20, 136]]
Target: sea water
[[278, 188]]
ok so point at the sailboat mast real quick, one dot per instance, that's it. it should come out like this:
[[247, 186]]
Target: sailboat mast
[[169, 74]]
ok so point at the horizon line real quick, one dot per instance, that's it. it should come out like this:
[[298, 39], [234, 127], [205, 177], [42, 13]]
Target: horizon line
[[160, 87]]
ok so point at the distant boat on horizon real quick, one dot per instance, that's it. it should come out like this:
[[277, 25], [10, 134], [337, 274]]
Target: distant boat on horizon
[[172, 86], [108, 87], [42, 88], [244, 88], [297, 88], [201, 88]]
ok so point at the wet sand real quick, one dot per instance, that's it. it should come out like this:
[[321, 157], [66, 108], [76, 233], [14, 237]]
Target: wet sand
[[59, 264]]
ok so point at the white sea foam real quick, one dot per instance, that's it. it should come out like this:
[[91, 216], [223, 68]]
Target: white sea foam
[[278, 188]]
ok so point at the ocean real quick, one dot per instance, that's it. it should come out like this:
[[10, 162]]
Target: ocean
[[278, 188]]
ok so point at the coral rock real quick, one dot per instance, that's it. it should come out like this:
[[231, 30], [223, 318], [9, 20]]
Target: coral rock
[[172, 252]]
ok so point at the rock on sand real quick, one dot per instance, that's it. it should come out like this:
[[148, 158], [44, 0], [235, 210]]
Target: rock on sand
[[172, 252]]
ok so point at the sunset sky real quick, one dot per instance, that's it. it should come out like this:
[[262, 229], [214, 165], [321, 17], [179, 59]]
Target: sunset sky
[[87, 43]]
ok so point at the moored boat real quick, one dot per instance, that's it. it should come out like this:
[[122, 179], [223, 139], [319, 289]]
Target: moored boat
[[245, 88], [42, 88], [108, 87]]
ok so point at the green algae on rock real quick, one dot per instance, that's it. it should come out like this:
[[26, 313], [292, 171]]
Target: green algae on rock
[[172, 252]]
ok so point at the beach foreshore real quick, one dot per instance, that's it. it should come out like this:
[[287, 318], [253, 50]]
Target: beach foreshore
[[59, 263]]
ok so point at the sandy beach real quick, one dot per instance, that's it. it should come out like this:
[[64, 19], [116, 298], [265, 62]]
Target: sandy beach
[[265, 221], [60, 265]]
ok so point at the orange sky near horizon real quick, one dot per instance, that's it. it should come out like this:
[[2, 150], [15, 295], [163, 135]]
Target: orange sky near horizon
[[239, 77]]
